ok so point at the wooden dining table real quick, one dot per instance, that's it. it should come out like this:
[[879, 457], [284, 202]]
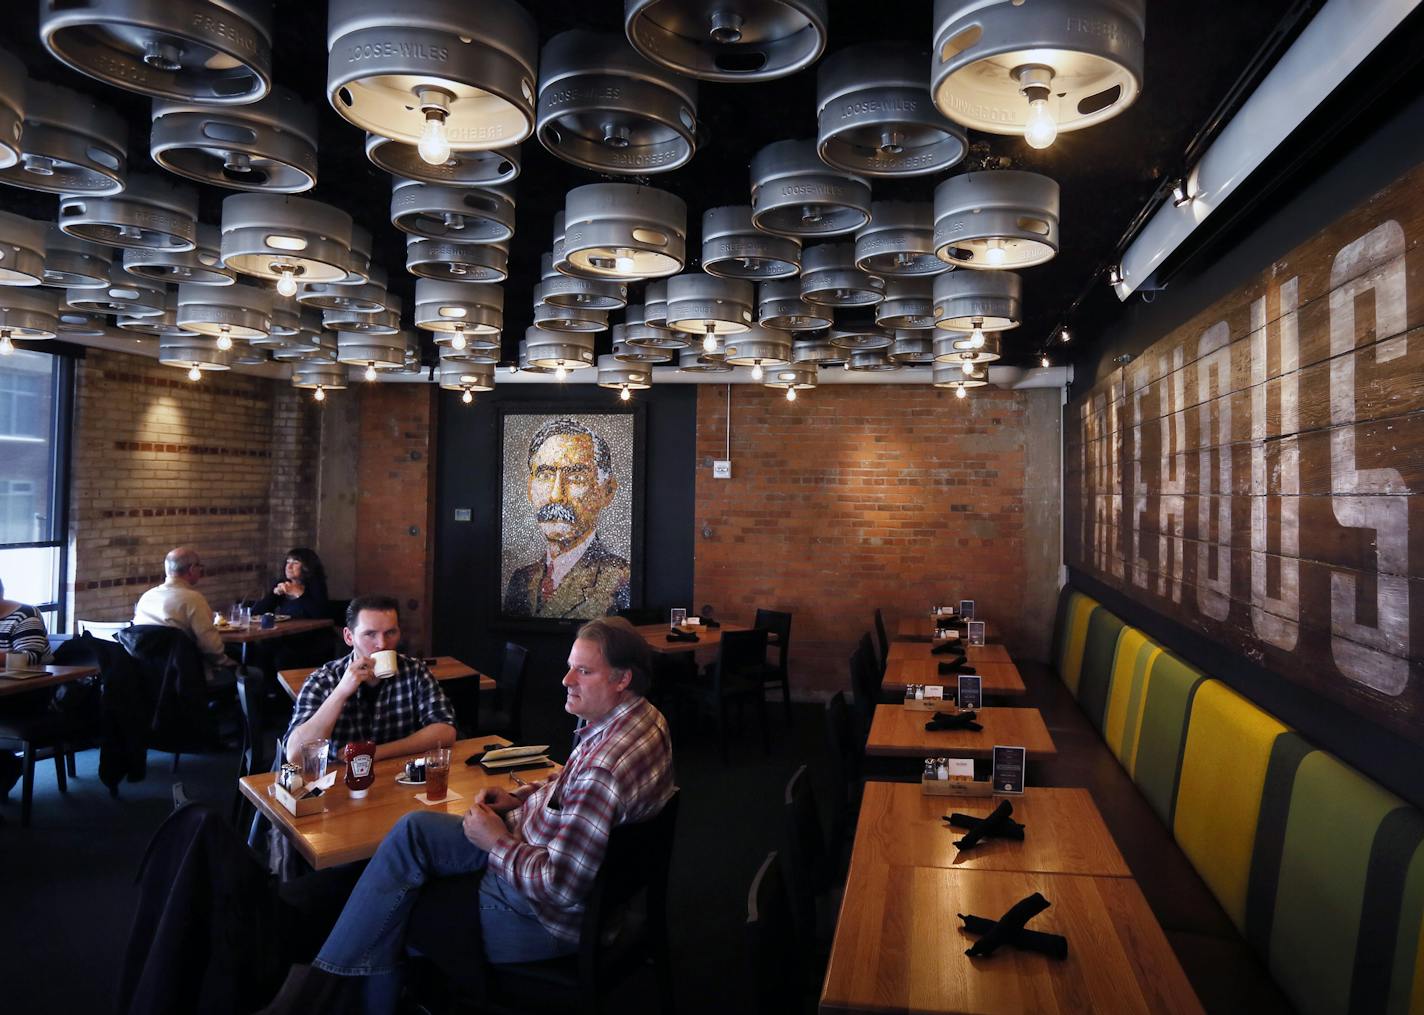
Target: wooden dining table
[[707, 637], [899, 732], [1000, 680], [48, 676], [349, 830], [244, 635], [975, 654], [922, 628], [442, 668]]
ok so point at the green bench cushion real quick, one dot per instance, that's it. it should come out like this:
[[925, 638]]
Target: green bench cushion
[[1099, 651], [1171, 685]]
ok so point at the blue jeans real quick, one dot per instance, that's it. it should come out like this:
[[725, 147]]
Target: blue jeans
[[369, 937]]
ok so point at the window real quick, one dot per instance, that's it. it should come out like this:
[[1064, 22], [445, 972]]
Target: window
[[34, 445]]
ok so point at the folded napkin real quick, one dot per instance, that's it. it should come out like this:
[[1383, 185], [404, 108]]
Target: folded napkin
[[1011, 829], [1007, 928], [682, 636], [946, 648], [946, 721], [709, 622], [956, 666], [995, 825], [1053, 945]]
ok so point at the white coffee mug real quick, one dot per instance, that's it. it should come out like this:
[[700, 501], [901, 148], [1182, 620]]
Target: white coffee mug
[[385, 663]]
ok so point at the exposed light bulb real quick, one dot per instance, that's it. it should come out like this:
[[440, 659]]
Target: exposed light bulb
[[560, 374], [976, 337], [756, 371], [194, 374], [1044, 362], [959, 391], [458, 342], [624, 264], [1041, 127], [370, 371], [6, 346], [319, 394], [467, 397], [624, 395], [967, 366], [709, 342], [434, 144], [994, 256], [791, 394], [224, 339], [287, 283], [514, 368]]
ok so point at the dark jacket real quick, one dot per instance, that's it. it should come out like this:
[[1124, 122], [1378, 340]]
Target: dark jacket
[[174, 677], [125, 707]]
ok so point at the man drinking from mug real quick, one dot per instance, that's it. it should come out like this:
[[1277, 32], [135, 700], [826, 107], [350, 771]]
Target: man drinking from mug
[[352, 699]]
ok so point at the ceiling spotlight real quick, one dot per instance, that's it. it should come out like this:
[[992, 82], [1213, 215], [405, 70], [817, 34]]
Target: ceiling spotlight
[[6, 346], [1045, 362], [458, 341], [721, 40], [514, 368], [194, 374], [1180, 196], [1063, 335], [1114, 275]]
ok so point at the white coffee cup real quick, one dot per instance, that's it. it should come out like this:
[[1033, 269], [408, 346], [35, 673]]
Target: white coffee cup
[[385, 663], [16, 660]]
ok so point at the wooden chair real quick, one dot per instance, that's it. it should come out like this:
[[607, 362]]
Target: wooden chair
[[884, 641], [778, 628], [733, 678], [776, 962]]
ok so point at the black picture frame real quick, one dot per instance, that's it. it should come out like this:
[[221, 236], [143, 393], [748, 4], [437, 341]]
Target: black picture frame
[[634, 482]]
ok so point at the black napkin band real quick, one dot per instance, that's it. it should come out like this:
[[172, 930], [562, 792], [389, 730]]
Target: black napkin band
[[1053, 945], [987, 828], [947, 721], [1011, 829], [945, 648], [1008, 925], [682, 636]]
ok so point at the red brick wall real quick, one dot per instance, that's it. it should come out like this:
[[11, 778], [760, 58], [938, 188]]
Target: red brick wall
[[858, 496], [395, 505]]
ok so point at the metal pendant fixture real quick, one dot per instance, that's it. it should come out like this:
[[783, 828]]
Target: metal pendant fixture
[[452, 261], [287, 240], [367, 298], [966, 349], [996, 220], [12, 108], [654, 304], [235, 311], [291, 324], [1037, 69], [577, 320], [382, 322], [165, 323], [908, 305], [525, 366], [197, 354], [374, 352], [318, 377], [759, 348], [858, 338], [267, 146], [211, 51], [467, 214], [559, 350], [728, 40], [604, 107], [22, 250], [623, 377], [27, 312], [694, 360], [152, 213], [70, 145], [780, 306], [444, 75], [484, 168], [461, 310], [816, 352], [125, 294], [899, 241], [796, 194], [286, 317], [200, 266], [624, 231], [829, 278], [791, 379], [467, 377], [734, 248], [947, 375], [702, 304], [72, 263], [986, 300], [874, 115], [305, 347], [638, 332], [625, 351], [581, 293], [871, 360], [912, 348], [78, 324]]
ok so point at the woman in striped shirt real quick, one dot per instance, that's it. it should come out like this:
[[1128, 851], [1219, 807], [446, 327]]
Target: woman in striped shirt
[[22, 630]]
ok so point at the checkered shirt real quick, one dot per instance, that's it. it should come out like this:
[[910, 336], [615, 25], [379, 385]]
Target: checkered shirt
[[388, 710], [620, 772]]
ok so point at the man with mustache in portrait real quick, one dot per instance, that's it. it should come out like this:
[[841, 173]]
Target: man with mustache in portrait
[[570, 482]]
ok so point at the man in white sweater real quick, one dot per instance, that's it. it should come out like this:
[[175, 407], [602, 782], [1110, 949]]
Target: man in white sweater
[[177, 603]]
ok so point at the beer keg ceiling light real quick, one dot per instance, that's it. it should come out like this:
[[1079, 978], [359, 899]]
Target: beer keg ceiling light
[[816, 352], [858, 338], [126, 294], [165, 323], [734, 248], [443, 75], [79, 324], [452, 261], [382, 322], [287, 240], [317, 349], [318, 378], [466, 377], [625, 351], [197, 354], [638, 332], [908, 305], [996, 220], [27, 312], [200, 266], [69, 145], [624, 231], [226, 313], [374, 352], [694, 360], [728, 40], [871, 361], [559, 351], [654, 303], [578, 320], [947, 375], [1054, 65], [796, 194], [584, 293], [12, 108], [366, 298], [780, 306], [524, 365], [72, 263], [267, 146], [459, 310], [358, 261], [912, 348], [22, 250], [152, 213], [211, 51], [487, 168], [604, 107], [286, 318], [899, 241], [759, 348], [623, 377], [467, 214], [874, 115], [792, 379], [966, 350], [829, 278], [702, 304], [978, 301], [291, 325]]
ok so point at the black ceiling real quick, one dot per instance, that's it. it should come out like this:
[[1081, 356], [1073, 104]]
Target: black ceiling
[[1195, 52]]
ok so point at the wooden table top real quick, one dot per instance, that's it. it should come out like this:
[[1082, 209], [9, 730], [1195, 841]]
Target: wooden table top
[[976, 654], [707, 637], [899, 732], [444, 668], [898, 946], [256, 632], [352, 829], [922, 628], [1001, 679], [1064, 833], [54, 675]]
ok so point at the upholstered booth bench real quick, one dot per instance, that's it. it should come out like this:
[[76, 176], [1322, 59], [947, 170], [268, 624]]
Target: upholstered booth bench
[[1319, 868]]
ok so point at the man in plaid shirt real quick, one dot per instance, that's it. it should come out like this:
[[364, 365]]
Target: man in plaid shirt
[[540, 847], [345, 701]]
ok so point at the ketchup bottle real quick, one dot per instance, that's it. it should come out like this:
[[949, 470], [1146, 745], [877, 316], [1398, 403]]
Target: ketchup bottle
[[360, 758]]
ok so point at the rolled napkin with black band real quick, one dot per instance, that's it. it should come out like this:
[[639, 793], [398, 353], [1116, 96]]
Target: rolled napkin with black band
[[708, 622], [1010, 830], [991, 827], [1008, 926], [956, 666], [944, 648], [675, 635], [1055, 946], [948, 721]]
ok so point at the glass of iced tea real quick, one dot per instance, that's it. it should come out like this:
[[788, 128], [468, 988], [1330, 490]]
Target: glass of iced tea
[[437, 773]]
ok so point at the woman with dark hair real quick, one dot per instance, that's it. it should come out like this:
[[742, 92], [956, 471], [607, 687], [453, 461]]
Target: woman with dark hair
[[301, 591]]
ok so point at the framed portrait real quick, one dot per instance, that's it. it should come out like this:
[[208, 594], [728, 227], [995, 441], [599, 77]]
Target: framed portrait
[[571, 512]]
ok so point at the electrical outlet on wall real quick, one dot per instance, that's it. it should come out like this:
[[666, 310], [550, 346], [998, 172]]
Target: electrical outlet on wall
[[722, 469]]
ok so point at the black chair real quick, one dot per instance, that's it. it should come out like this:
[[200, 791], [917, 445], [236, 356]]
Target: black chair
[[640, 615], [866, 681], [173, 669], [259, 732], [777, 625], [844, 754], [506, 721], [807, 859], [624, 928], [884, 641], [775, 961], [734, 678], [41, 734]]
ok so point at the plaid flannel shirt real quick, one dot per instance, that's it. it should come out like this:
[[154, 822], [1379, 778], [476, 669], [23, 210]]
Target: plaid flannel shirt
[[388, 710], [620, 772]]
